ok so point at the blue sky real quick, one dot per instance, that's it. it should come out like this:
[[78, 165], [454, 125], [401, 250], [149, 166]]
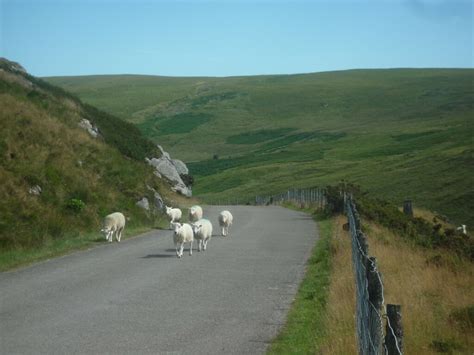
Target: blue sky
[[225, 38]]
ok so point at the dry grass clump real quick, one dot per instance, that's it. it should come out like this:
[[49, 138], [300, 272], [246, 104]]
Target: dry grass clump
[[341, 337], [434, 287]]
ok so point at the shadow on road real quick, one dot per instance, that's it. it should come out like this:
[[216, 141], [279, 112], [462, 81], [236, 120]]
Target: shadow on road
[[149, 256]]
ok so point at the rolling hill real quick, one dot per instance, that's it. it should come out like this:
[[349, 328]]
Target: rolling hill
[[399, 133], [57, 180]]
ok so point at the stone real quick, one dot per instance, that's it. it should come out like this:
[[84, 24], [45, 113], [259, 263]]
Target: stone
[[143, 203], [180, 167], [35, 190], [159, 204], [89, 127]]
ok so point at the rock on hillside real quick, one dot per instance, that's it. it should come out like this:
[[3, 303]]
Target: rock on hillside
[[171, 169]]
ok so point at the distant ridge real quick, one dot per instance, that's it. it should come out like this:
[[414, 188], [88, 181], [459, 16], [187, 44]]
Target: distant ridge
[[399, 133]]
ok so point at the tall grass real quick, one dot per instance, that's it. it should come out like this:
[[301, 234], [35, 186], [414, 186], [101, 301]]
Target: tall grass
[[434, 287]]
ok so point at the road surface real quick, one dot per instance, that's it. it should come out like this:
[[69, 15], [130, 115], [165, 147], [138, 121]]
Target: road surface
[[137, 297]]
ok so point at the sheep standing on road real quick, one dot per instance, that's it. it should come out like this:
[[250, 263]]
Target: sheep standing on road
[[183, 233], [174, 215], [113, 223], [195, 213], [202, 232], [225, 221]]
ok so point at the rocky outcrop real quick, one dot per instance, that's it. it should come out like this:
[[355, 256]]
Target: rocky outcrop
[[35, 190], [170, 169], [158, 200], [180, 167], [143, 203], [12, 66], [89, 127]]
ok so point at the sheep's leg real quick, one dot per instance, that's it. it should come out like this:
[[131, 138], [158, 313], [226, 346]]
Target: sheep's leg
[[191, 248], [181, 249], [223, 232], [110, 236], [199, 244], [205, 243], [118, 235]]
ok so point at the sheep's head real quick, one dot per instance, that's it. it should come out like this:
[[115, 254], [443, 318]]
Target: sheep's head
[[196, 227], [176, 226], [106, 232]]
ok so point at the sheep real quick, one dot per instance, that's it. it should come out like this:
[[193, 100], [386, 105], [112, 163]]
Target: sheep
[[113, 223], [203, 232], [225, 221], [183, 233], [174, 214], [195, 213], [462, 228]]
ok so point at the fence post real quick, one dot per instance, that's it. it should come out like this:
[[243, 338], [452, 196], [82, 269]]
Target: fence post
[[375, 288], [408, 208], [394, 330]]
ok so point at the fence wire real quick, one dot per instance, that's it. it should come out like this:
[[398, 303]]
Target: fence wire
[[310, 196], [370, 303], [369, 291]]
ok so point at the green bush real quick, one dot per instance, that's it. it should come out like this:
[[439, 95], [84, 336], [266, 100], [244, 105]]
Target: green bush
[[75, 205]]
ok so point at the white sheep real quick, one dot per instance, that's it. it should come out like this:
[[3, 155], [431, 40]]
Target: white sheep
[[225, 221], [183, 233], [174, 214], [113, 223], [202, 232], [462, 228], [195, 213]]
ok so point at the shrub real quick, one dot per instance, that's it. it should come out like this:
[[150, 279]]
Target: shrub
[[75, 205]]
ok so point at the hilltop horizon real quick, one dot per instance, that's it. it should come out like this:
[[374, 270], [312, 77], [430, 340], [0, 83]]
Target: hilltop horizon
[[255, 75]]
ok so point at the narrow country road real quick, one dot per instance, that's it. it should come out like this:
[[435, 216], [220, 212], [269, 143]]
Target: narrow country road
[[137, 297]]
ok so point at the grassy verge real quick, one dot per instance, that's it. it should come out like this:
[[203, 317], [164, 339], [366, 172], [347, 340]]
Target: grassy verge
[[305, 327], [433, 286], [19, 257]]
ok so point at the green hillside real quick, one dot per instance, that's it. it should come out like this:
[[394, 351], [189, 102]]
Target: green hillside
[[81, 178], [400, 133]]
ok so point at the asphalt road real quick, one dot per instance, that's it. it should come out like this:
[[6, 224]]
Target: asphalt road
[[137, 297]]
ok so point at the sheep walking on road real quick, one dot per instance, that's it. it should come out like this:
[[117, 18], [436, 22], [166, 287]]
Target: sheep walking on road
[[113, 223], [202, 232], [183, 233], [195, 213], [174, 215], [225, 221]]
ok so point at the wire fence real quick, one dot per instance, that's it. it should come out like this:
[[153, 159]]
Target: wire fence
[[373, 338], [314, 197], [370, 297]]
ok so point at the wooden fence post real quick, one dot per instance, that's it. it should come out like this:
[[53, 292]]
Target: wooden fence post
[[375, 288], [394, 340], [408, 208]]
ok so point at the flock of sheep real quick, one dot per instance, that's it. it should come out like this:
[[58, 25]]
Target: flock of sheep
[[199, 228]]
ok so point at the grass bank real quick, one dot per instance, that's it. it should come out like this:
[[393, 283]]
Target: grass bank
[[433, 286], [21, 257], [305, 327]]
